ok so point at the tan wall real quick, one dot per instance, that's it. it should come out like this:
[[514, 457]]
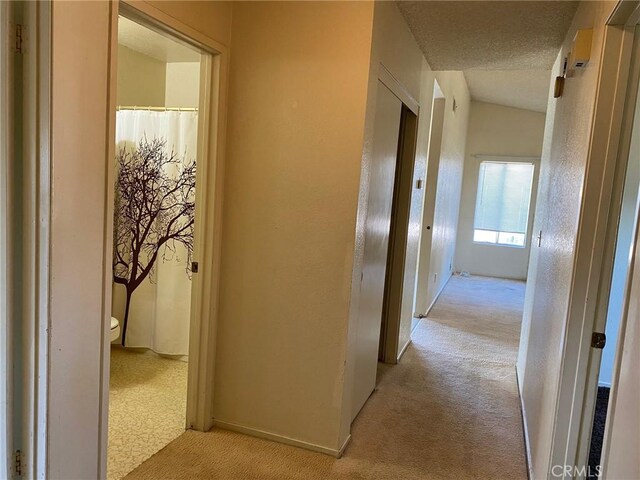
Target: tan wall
[[141, 79], [496, 130], [297, 104], [449, 184], [80, 222], [183, 84], [212, 18], [565, 153], [145, 81]]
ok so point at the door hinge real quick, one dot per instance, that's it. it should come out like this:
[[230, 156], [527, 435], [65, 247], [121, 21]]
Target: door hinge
[[18, 462], [19, 38], [598, 340]]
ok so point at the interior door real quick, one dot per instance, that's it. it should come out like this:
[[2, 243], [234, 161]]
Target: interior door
[[381, 183]]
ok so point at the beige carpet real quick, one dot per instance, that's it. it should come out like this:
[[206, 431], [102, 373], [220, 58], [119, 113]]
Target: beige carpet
[[147, 405], [449, 410]]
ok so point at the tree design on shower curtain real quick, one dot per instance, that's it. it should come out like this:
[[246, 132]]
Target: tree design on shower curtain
[[154, 212]]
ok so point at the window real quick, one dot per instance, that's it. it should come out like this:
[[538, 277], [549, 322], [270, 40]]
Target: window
[[502, 204]]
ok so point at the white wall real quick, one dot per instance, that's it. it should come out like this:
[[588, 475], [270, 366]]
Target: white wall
[[448, 190], [562, 173], [623, 252], [496, 130], [394, 48]]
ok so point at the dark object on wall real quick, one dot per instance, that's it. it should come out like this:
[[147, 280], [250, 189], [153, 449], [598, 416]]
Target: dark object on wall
[[154, 212]]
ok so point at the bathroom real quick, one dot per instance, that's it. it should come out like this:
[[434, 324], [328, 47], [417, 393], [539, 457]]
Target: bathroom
[[157, 125]]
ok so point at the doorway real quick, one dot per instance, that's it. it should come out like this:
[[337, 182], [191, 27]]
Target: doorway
[[612, 323], [386, 228], [158, 142]]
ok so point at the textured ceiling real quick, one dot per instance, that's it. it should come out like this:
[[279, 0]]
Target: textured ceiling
[[493, 35], [152, 44], [527, 89], [486, 38]]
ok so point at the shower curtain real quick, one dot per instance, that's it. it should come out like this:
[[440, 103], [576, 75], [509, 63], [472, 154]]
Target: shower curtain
[[159, 310]]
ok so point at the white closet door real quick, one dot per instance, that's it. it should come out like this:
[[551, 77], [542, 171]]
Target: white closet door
[[381, 181]]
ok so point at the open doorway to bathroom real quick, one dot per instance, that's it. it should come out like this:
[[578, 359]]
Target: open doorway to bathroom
[[156, 134]]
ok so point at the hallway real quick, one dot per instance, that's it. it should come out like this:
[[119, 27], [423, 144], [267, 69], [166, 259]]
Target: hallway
[[450, 409]]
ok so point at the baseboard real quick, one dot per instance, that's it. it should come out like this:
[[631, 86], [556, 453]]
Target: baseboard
[[404, 349], [604, 384], [435, 299], [281, 438], [344, 446], [525, 431]]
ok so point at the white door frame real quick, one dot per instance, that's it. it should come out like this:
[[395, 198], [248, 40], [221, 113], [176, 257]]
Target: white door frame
[[617, 191], [209, 194], [37, 227], [36, 237], [593, 254], [6, 327]]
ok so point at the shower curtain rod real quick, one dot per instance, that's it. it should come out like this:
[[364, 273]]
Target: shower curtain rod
[[158, 109]]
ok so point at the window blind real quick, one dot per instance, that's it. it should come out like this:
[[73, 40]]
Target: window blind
[[504, 193]]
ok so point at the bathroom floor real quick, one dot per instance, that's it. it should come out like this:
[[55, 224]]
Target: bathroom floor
[[147, 404]]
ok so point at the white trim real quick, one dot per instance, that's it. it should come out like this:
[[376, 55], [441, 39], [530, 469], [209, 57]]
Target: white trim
[[623, 157], [404, 349], [389, 81], [6, 154], [36, 238], [525, 429], [435, 299], [107, 248], [501, 158], [255, 432]]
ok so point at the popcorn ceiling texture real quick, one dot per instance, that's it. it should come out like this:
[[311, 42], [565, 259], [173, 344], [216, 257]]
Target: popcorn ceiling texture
[[506, 49], [489, 35], [525, 89]]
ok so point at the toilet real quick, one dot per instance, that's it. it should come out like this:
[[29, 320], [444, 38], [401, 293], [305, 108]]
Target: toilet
[[115, 329]]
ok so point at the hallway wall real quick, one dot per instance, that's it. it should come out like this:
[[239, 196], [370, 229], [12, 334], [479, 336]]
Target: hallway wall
[[562, 174], [297, 100], [496, 130], [436, 266], [393, 49]]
